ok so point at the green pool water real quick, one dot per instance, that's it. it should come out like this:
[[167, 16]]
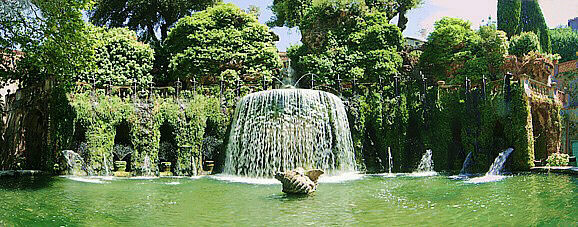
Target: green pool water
[[522, 200]]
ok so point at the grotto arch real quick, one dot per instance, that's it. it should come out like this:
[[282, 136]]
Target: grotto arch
[[168, 146], [34, 131], [123, 148]]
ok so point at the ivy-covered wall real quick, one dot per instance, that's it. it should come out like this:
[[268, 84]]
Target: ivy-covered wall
[[100, 115], [484, 124], [452, 123]]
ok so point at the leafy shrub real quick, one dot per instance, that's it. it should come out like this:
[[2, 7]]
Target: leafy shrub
[[565, 43], [455, 51], [119, 58], [221, 38], [524, 43], [558, 159]]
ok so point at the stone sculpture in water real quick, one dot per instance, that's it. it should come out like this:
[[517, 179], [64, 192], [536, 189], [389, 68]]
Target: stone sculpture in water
[[299, 181]]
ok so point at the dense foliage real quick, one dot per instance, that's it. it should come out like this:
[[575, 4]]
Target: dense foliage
[[190, 118], [509, 12], [557, 159], [119, 59], [564, 43], [222, 41], [291, 12], [346, 42], [52, 35], [533, 20], [455, 51], [145, 16], [517, 16], [524, 43]]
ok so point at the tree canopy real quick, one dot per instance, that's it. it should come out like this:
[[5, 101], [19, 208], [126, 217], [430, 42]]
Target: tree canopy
[[509, 12], [517, 16], [145, 16], [455, 51], [222, 40], [346, 41], [291, 12], [565, 43], [524, 43], [51, 35], [119, 58], [533, 20]]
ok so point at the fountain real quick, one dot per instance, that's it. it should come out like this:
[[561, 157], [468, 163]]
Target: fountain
[[498, 165], [425, 167], [494, 174], [74, 162], [466, 165], [284, 129], [390, 166]]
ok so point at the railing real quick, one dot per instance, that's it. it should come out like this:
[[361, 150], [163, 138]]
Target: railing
[[534, 88]]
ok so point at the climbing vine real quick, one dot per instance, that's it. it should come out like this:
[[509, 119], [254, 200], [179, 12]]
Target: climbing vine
[[101, 114]]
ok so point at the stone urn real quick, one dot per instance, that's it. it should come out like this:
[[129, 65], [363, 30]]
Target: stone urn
[[299, 181], [120, 166]]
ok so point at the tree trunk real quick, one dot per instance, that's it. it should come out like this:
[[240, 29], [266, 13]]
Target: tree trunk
[[402, 21]]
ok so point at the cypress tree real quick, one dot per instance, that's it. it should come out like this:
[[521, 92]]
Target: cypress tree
[[509, 16], [532, 20]]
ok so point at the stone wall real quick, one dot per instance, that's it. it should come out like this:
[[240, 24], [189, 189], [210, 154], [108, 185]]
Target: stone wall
[[24, 128]]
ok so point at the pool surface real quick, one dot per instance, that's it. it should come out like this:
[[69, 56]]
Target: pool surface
[[521, 200]]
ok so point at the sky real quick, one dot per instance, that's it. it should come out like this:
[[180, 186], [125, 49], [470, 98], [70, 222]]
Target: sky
[[421, 20]]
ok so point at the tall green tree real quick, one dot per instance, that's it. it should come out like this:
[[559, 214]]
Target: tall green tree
[[347, 41], [564, 43], [120, 59], [517, 16], [455, 51], [532, 20], [51, 35], [446, 46], [222, 41], [145, 16], [291, 12], [509, 12]]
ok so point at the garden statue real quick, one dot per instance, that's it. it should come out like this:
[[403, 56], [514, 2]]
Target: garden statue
[[299, 181]]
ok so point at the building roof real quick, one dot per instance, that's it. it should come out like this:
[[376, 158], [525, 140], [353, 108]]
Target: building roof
[[416, 39], [567, 66]]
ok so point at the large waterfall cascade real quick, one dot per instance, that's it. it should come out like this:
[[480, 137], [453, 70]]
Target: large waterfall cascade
[[282, 129]]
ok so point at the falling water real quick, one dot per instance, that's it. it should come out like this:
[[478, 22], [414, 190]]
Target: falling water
[[496, 168], [74, 162], [426, 163], [494, 174], [390, 160], [426, 166], [147, 166], [105, 165], [466, 165], [194, 164], [283, 129]]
